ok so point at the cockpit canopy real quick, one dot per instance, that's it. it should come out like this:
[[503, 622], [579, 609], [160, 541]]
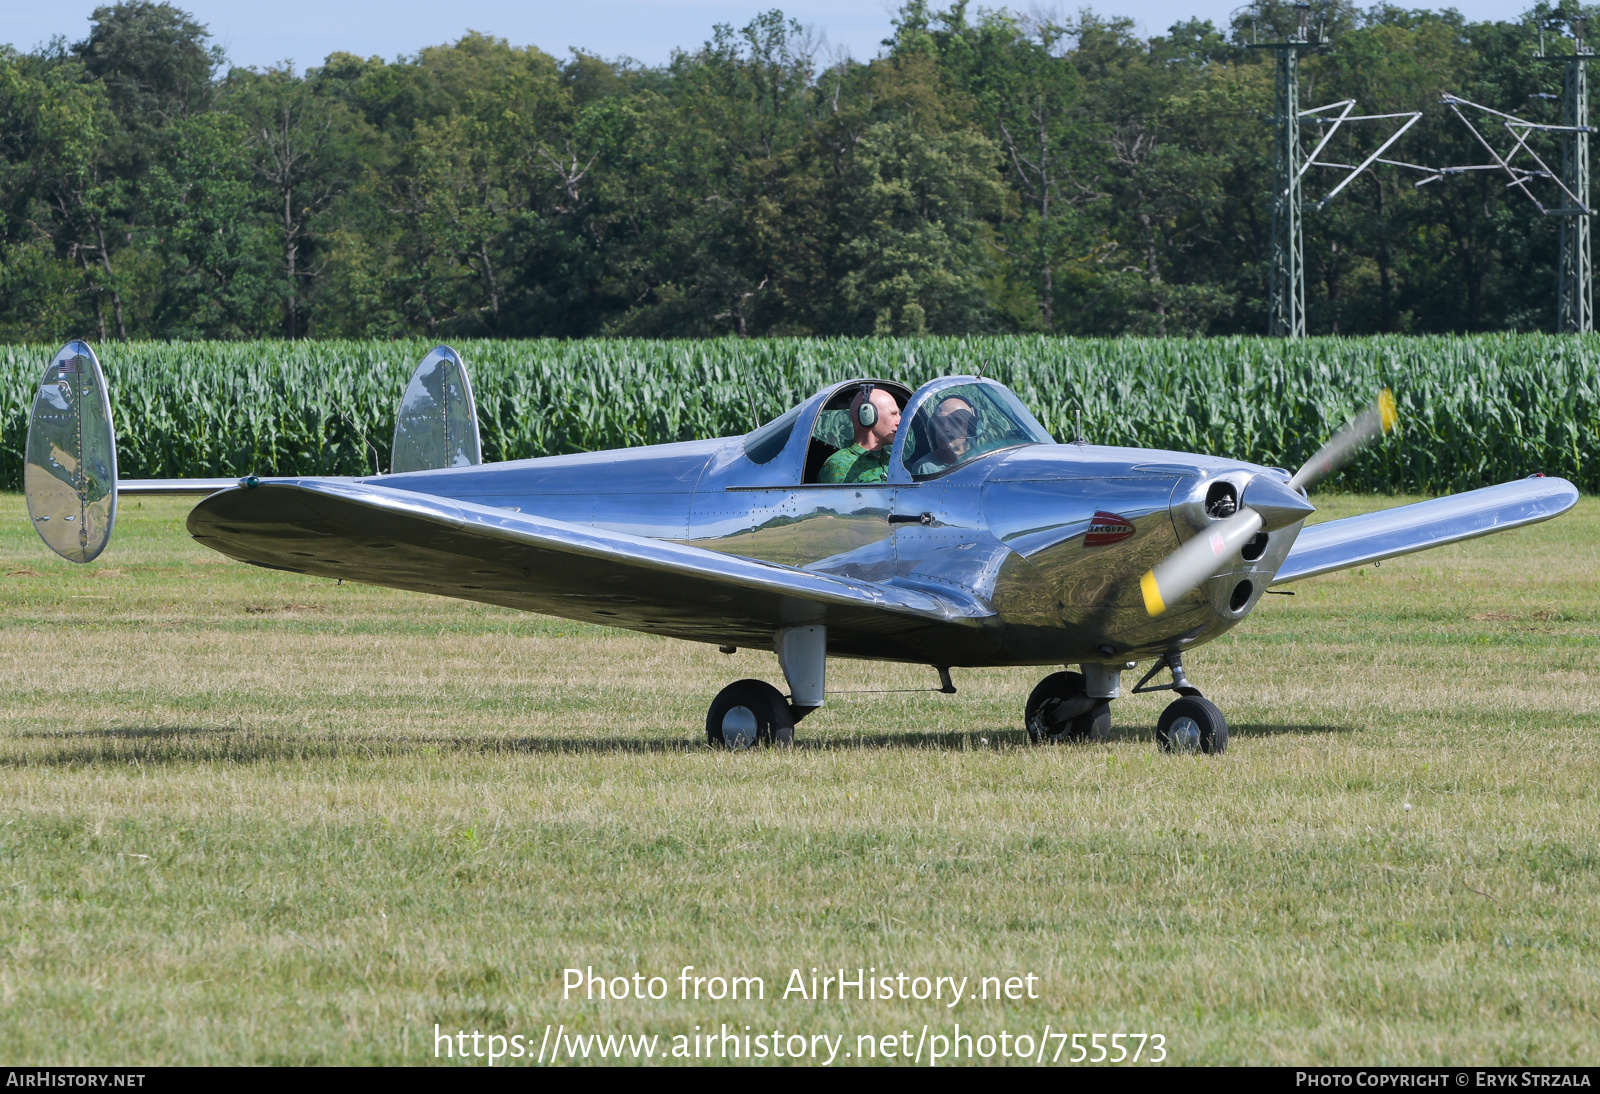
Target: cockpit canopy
[[954, 421], [955, 425], [831, 431]]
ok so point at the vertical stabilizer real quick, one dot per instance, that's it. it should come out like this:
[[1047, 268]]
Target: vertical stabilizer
[[438, 421], [70, 476]]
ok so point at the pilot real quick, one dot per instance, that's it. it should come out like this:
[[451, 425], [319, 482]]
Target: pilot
[[875, 416], [954, 426]]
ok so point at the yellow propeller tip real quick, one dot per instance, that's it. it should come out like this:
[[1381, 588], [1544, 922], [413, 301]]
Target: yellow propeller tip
[[1152, 594], [1387, 411]]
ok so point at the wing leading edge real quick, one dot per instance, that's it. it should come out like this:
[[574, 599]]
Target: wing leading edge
[[379, 535], [1371, 537]]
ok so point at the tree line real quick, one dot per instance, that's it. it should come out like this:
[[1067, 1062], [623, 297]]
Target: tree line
[[986, 172]]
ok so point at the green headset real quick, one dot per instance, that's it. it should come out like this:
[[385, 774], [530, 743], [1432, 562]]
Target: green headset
[[866, 413]]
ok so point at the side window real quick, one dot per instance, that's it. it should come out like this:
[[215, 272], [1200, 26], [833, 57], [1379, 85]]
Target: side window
[[832, 432], [764, 444]]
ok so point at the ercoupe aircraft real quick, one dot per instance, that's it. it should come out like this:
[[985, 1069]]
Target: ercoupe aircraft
[[986, 543]]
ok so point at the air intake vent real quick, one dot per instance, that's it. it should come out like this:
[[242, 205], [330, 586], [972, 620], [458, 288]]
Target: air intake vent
[[1222, 501]]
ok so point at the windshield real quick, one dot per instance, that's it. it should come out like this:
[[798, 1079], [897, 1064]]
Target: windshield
[[958, 424]]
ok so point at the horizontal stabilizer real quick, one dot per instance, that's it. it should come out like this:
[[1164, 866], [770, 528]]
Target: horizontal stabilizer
[[188, 488], [175, 488], [1371, 537]]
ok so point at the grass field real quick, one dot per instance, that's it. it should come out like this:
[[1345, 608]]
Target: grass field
[[247, 816]]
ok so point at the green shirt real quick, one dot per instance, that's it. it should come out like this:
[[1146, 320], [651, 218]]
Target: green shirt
[[856, 464]]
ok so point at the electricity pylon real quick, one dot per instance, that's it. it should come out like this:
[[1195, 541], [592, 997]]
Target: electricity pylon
[[1286, 282], [1575, 282], [1575, 269], [1286, 278]]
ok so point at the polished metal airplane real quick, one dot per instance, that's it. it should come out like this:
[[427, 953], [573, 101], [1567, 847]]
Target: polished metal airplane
[[987, 544]]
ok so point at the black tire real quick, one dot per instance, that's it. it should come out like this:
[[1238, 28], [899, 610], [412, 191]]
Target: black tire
[[1093, 724], [747, 713], [1192, 724]]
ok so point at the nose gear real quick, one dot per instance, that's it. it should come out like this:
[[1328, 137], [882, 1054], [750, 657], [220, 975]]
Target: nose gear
[[1061, 709]]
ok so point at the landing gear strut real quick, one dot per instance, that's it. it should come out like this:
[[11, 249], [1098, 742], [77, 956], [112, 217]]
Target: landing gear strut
[[753, 712], [1191, 723]]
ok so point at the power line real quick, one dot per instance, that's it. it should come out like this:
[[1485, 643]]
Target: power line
[[1575, 268]]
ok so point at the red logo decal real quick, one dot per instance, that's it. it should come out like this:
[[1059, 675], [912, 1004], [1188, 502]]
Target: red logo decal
[[1106, 529]]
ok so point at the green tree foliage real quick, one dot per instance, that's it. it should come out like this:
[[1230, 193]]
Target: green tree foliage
[[987, 171]]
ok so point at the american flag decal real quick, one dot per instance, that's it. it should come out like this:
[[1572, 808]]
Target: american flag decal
[[68, 367], [1106, 529]]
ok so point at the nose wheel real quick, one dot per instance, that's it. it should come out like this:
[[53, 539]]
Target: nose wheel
[[1192, 724], [747, 713], [1061, 709]]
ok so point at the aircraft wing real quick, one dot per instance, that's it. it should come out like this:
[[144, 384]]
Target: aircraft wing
[[1355, 541], [358, 531]]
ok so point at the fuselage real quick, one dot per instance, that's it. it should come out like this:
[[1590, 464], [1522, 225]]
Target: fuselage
[[1053, 537]]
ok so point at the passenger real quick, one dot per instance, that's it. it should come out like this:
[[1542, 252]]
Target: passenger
[[954, 426], [868, 459]]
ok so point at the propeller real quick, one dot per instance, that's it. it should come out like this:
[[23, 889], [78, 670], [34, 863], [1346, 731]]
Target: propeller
[[1197, 560], [1379, 418], [1266, 504]]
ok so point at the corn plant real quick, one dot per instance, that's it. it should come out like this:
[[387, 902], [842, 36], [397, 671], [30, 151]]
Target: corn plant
[[1476, 409]]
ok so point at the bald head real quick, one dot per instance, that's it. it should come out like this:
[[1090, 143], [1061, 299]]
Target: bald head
[[881, 432]]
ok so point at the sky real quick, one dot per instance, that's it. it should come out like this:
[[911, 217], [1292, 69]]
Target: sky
[[306, 31]]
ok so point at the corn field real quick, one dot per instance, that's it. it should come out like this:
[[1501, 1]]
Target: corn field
[[1474, 410]]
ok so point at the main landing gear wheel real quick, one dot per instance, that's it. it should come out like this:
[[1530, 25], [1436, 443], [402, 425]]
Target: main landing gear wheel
[[1192, 724], [1060, 709], [748, 713]]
